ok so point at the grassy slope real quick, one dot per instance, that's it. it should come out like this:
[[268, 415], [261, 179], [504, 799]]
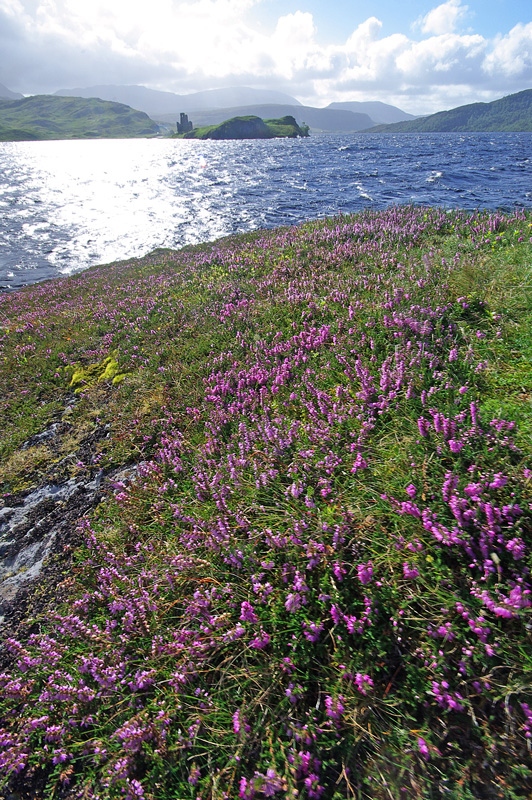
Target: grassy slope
[[319, 585], [50, 117], [511, 113]]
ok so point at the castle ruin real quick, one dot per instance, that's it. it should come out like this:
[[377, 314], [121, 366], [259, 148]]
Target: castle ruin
[[184, 125]]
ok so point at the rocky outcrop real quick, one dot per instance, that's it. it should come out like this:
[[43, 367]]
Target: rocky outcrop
[[39, 527]]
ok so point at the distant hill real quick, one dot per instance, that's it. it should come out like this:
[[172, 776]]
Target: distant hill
[[250, 127], [7, 94], [319, 119], [380, 113], [214, 106], [510, 113], [50, 117], [154, 102]]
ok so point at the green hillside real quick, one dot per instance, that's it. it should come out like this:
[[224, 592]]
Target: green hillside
[[47, 117], [511, 113], [290, 483], [249, 127]]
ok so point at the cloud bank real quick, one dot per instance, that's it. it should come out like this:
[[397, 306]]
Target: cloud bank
[[179, 46]]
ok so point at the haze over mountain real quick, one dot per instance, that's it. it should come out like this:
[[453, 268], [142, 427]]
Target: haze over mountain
[[510, 113], [7, 94], [155, 103], [380, 113], [213, 106]]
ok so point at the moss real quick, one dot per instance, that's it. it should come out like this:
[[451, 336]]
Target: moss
[[105, 370]]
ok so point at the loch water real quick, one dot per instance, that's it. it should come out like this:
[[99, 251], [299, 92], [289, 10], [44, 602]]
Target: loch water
[[68, 205]]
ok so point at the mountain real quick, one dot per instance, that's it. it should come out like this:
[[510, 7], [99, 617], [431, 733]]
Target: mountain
[[50, 117], [7, 94], [510, 113], [250, 127], [380, 113], [318, 119], [155, 103]]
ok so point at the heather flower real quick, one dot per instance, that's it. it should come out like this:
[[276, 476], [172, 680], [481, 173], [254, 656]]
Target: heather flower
[[334, 708], [339, 570], [363, 683], [294, 692], [423, 426], [194, 775], [410, 572], [527, 725], [261, 641], [247, 613], [455, 446], [516, 547], [365, 573], [236, 722], [312, 631], [423, 747], [134, 790], [293, 602], [287, 665], [359, 463], [498, 481], [314, 789], [299, 582], [268, 785], [245, 792]]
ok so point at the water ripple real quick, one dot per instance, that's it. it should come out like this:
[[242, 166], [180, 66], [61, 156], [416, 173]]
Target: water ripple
[[65, 206]]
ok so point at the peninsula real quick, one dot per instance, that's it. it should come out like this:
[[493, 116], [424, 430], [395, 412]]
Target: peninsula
[[249, 127]]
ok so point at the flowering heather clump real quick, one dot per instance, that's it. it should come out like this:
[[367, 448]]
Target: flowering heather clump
[[318, 585]]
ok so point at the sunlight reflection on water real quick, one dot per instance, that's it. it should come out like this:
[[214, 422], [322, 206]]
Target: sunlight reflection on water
[[67, 205]]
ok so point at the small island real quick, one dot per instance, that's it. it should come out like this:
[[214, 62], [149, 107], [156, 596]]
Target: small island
[[249, 127]]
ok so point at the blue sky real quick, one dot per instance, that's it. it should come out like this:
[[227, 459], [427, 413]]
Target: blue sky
[[333, 19], [422, 55]]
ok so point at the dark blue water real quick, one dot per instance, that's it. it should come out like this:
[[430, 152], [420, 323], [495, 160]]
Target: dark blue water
[[67, 205]]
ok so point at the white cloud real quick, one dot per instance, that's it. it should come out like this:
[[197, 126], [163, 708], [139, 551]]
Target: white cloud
[[444, 18], [440, 56], [512, 54], [184, 46], [368, 57], [292, 46]]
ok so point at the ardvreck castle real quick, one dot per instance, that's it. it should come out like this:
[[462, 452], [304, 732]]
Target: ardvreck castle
[[184, 125]]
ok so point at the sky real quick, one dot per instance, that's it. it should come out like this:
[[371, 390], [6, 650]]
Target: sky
[[419, 55]]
